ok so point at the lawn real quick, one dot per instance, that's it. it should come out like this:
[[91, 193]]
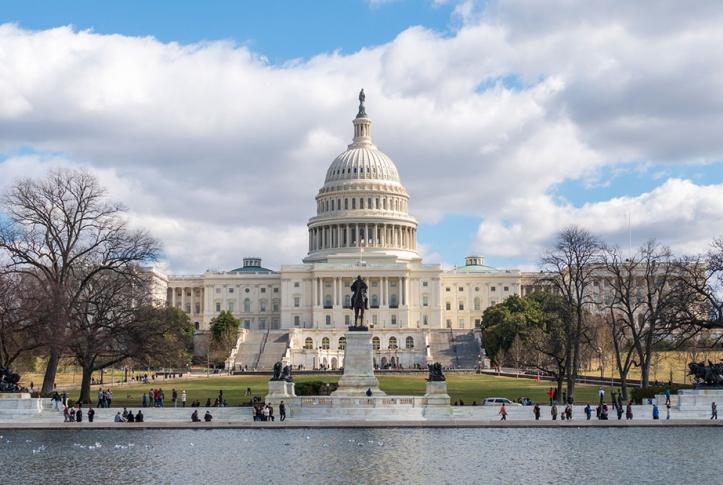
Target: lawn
[[465, 387]]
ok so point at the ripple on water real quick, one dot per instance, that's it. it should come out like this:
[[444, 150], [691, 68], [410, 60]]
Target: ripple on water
[[283, 456]]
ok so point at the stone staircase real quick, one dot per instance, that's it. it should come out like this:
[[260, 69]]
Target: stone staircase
[[458, 349], [259, 349]]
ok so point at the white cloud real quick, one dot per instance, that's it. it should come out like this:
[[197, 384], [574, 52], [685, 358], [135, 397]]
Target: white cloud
[[219, 150]]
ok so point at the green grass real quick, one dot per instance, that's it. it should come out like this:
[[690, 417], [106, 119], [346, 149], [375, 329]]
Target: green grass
[[467, 387]]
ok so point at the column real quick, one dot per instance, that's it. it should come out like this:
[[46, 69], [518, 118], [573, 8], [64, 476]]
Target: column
[[183, 299], [386, 292], [338, 236], [313, 292], [403, 290]]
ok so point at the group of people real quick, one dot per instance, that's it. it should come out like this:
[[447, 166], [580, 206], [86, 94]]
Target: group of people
[[206, 417], [155, 398], [105, 397], [265, 411], [74, 414], [128, 417]]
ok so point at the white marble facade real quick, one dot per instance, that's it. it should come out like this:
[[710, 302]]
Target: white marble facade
[[362, 227]]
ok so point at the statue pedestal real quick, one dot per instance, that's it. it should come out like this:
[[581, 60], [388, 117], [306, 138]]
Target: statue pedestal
[[358, 367], [279, 390], [436, 394]]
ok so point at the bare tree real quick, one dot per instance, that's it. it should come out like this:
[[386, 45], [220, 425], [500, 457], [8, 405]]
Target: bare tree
[[546, 342], [114, 320], [570, 270], [61, 231], [20, 319], [701, 280]]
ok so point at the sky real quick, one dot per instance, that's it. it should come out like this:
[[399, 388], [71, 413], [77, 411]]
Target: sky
[[214, 122]]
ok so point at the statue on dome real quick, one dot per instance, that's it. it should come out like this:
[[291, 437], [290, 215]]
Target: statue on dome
[[362, 110], [359, 302]]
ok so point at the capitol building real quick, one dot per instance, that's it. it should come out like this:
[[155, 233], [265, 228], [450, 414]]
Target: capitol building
[[418, 313]]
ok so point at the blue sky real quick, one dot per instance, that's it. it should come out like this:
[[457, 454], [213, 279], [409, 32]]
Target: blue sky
[[508, 120]]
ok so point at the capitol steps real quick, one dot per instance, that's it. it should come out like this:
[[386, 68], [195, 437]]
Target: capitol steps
[[277, 341], [458, 349], [261, 349]]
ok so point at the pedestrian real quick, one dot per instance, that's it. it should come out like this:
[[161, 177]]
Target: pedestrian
[[554, 396], [108, 398], [619, 409], [713, 410], [536, 412], [553, 411], [66, 414], [604, 412], [174, 397], [265, 413], [145, 400], [568, 411], [101, 397], [601, 393], [271, 411], [564, 397], [79, 414], [629, 411], [503, 412], [667, 411], [369, 392], [91, 414], [550, 394], [282, 411], [65, 398], [667, 395], [220, 398], [56, 401], [183, 398], [588, 411], [656, 412]]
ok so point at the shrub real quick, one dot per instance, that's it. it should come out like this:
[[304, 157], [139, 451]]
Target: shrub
[[313, 388], [638, 394]]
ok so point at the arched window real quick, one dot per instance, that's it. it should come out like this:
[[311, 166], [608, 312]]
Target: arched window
[[353, 203], [375, 301], [197, 325], [308, 343], [409, 342], [347, 301], [247, 306], [262, 306], [325, 343], [361, 202], [375, 343], [393, 343], [342, 343], [476, 303]]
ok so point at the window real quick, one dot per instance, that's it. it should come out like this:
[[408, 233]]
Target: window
[[197, 325], [460, 305], [394, 319], [461, 323], [276, 290], [262, 323], [476, 303], [492, 288], [218, 307], [353, 203], [347, 301], [308, 343], [347, 320], [375, 343], [361, 203], [425, 300], [296, 284], [409, 343], [448, 305], [247, 305], [393, 343], [297, 301], [476, 288], [375, 301], [425, 320], [246, 290], [447, 289], [262, 306], [325, 343], [346, 204], [197, 309], [188, 308], [393, 301], [461, 288], [328, 319], [218, 291], [374, 319], [507, 288], [230, 306], [263, 290], [327, 301], [296, 320], [425, 284], [342, 343], [275, 307], [493, 302], [449, 323], [230, 290]]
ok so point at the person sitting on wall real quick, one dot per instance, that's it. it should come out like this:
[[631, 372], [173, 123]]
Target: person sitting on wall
[[194, 417], [207, 417], [139, 417]]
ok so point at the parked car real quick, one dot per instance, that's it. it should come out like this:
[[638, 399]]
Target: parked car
[[499, 401]]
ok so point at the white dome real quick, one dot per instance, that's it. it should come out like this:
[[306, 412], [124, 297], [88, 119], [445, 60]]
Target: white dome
[[364, 162]]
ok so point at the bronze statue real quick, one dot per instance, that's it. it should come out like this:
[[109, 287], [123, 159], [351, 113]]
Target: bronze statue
[[362, 110], [435, 372], [9, 380], [359, 301], [711, 374], [286, 374], [277, 372]]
